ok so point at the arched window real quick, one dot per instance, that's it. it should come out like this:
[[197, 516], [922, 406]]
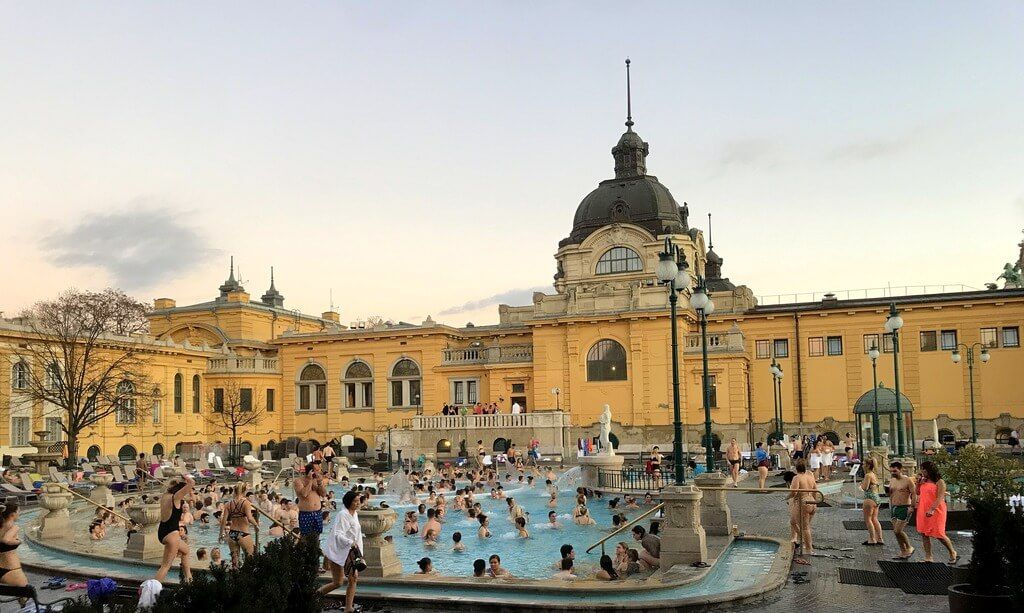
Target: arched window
[[358, 446], [195, 393], [1003, 436], [179, 393], [127, 454], [358, 385], [405, 384], [619, 259], [157, 404], [19, 375], [53, 380], [93, 453], [500, 445], [158, 450], [312, 388], [606, 361], [946, 437], [125, 403]]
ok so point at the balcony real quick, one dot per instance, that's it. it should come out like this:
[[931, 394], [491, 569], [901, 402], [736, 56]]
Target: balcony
[[502, 421], [498, 354], [718, 342], [243, 365]]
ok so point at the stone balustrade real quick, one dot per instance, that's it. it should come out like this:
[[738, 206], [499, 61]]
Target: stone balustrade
[[496, 354], [239, 364], [546, 419]]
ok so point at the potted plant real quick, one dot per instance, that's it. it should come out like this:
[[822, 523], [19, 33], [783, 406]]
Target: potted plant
[[975, 473]]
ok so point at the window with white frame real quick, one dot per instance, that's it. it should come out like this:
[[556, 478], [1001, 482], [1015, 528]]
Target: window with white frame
[[53, 376], [125, 410], [358, 384], [1011, 336], [405, 384], [619, 259], [312, 388], [20, 427], [19, 375]]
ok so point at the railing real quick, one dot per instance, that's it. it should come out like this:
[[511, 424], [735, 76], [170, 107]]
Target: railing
[[871, 292], [243, 365], [633, 478], [624, 526], [499, 421], [498, 354], [718, 342]]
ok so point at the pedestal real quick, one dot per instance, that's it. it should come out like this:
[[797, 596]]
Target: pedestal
[[785, 462], [55, 525], [380, 556], [591, 465], [715, 516], [143, 545], [101, 494], [880, 455], [340, 467], [683, 540], [252, 477]]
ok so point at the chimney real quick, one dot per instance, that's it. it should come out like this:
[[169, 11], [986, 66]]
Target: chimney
[[331, 316], [238, 296], [164, 303]]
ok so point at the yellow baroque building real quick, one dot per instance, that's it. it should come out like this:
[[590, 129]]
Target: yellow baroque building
[[601, 337]]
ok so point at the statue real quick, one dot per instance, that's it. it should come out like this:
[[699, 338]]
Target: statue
[[1011, 276], [606, 430]]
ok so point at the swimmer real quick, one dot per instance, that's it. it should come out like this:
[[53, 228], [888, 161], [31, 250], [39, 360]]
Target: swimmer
[[483, 532], [553, 521], [458, 545], [521, 526]]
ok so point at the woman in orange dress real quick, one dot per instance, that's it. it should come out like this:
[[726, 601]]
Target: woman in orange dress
[[931, 511]]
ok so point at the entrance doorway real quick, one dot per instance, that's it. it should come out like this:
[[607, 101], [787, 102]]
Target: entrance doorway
[[518, 399]]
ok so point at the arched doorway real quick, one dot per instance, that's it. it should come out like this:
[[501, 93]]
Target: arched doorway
[[832, 436], [444, 446], [127, 453], [93, 453], [614, 440], [947, 437], [245, 448], [500, 445], [358, 447], [158, 450], [1003, 436]]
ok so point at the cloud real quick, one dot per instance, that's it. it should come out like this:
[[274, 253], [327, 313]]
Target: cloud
[[882, 147], [513, 296], [748, 152], [141, 246]]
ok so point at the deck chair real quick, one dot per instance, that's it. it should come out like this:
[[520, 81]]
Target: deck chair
[[10, 593], [122, 483], [23, 496], [28, 484], [58, 477], [16, 462]]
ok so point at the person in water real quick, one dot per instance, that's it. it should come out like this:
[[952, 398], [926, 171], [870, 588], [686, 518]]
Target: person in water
[[10, 564], [167, 532]]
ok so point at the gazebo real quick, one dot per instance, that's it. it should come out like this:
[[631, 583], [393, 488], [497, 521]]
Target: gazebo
[[864, 408]]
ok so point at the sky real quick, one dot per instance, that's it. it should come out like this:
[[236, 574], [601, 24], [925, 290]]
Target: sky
[[406, 159]]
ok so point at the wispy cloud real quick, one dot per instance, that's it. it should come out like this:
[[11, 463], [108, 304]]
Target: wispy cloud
[[871, 149], [141, 246], [750, 152], [513, 296]]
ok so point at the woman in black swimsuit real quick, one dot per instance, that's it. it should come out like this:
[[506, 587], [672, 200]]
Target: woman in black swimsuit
[[235, 522], [168, 531], [10, 564]]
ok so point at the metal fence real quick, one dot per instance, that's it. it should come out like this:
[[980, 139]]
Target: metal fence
[[633, 479]]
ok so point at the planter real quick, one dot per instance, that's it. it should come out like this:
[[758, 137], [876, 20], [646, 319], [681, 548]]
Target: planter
[[380, 556], [963, 600]]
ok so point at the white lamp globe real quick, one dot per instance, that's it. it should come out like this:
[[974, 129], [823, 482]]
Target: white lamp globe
[[888, 325], [956, 357], [895, 322], [699, 300], [710, 307], [682, 279], [666, 268], [985, 356], [873, 353]]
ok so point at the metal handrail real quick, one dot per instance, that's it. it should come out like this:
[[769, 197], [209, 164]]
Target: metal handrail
[[93, 502], [819, 496], [624, 526]]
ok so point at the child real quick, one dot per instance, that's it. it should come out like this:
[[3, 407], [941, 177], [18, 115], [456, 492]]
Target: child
[[459, 546]]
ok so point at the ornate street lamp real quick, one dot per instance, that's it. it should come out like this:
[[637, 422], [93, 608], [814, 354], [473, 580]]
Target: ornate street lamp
[[876, 436], [776, 370], [557, 392], [704, 306], [672, 271], [893, 323], [970, 377]]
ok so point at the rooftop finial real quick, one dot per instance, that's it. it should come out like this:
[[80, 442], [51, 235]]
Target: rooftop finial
[[711, 241], [271, 277], [629, 100], [231, 275]]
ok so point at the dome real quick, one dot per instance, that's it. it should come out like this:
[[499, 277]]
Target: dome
[[639, 200], [886, 402]]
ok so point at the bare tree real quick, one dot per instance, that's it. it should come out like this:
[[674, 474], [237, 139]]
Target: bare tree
[[233, 407], [81, 360]]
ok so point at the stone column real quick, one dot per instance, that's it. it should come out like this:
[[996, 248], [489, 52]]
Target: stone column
[[55, 525], [591, 465], [143, 545], [380, 556], [682, 536], [101, 494], [785, 462], [715, 515]]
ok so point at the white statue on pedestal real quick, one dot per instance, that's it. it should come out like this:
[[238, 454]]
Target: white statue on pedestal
[[606, 430]]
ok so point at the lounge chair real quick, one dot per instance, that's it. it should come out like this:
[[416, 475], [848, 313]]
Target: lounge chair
[[58, 477], [11, 593], [23, 496], [28, 483], [120, 482]]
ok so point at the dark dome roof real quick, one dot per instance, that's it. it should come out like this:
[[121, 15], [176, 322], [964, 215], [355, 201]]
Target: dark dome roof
[[886, 402], [639, 200]]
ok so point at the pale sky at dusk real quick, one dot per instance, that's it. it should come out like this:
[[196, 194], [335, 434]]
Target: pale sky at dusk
[[421, 158]]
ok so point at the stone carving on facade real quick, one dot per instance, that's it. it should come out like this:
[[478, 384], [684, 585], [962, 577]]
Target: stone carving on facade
[[606, 430], [634, 295], [570, 306]]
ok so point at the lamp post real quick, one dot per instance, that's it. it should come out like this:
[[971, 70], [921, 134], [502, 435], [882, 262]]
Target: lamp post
[[556, 392], [671, 271], [876, 436], [985, 356], [776, 370], [704, 306], [893, 323]]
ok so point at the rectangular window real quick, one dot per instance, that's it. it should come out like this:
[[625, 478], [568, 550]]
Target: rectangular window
[[20, 427], [471, 391], [870, 340], [713, 391], [887, 343], [990, 337], [270, 401], [218, 399], [350, 395], [245, 398], [929, 341], [367, 393], [458, 393], [414, 392], [815, 346], [303, 397], [764, 349], [835, 345], [396, 394], [156, 411], [518, 388], [321, 396], [782, 348], [948, 340], [53, 430], [1011, 336]]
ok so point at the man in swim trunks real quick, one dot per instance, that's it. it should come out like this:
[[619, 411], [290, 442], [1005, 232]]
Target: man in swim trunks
[[901, 501], [732, 453], [310, 491]]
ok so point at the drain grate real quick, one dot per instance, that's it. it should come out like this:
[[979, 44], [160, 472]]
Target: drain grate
[[856, 576], [859, 525], [923, 577]]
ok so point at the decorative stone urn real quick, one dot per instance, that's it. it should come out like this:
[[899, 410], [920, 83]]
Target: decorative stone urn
[[715, 515], [380, 556], [169, 471], [143, 545], [340, 467], [101, 494], [55, 525], [252, 476]]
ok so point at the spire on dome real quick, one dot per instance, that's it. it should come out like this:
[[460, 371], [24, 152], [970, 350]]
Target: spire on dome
[[631, 151], [231, 285], [713, 267], [273, 297]]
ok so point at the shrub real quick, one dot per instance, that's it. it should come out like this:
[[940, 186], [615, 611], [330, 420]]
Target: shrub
[[976, 473], [988, 567]]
